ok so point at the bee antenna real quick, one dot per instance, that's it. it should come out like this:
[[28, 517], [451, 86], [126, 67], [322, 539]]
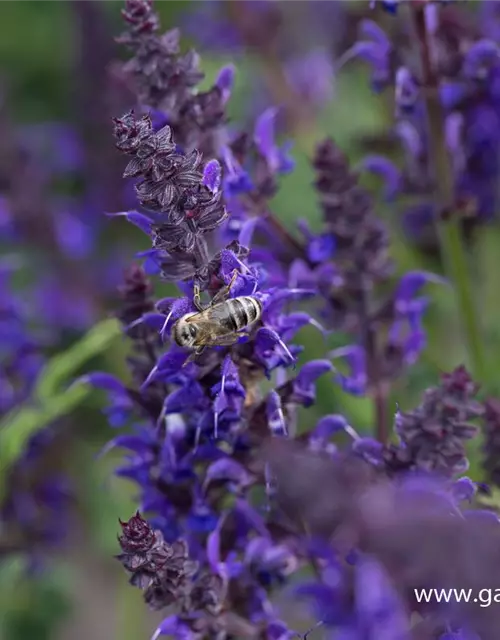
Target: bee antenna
[[163, 330]]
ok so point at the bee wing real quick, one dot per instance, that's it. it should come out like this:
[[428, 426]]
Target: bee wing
[[205, 318], [211, 314], [195, 317], [226, 341], [217, 313]]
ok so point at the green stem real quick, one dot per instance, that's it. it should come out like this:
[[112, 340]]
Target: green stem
[[131, 611], [449, 225], [457, 268]]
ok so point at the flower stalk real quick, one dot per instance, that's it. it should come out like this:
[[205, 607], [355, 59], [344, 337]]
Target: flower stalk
[[449, 223]]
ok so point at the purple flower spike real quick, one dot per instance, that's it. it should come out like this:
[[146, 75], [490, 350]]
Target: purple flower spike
[[267, 341], [158, 118], [321, 248], [411, 139], [138, 219], [454, 135], [212, 176], [312, 77], [140, 446], [387, 170], [407, 91], [275, 416], [304, 386], [417, 339], [173, 627], [153, 320], [229, 395], [328, 426], [225, 81], [370, 450], [278, 630], [164, 305], [264, 136], [292, 323], [252, 517], [370, 29], [236, 180], [354, 356], [279, 298], [189, 396], [228, 470], [452, 94], [409, 285], [74, 236], [213, 551], [480, 58], [247, 231], [375, 51], [464, 490], [379, 606], [431, 439], [120, 404], [154, 260], [102, 380], [168, 365]]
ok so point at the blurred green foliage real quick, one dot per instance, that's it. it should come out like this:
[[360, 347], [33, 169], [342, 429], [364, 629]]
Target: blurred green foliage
[[37, 53], [51, 400]]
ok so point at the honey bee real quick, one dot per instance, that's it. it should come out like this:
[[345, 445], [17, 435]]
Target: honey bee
[[222, 323]]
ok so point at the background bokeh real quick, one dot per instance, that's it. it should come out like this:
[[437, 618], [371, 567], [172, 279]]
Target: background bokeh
[[56, 103]]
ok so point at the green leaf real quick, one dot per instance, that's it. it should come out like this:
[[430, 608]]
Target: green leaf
[[484, 270], [65, 365], [492, 500], [102, 509], [18, 426], [35, 607], [51, 400], [12, 569]]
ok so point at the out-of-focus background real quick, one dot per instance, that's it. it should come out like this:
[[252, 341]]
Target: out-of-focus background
[[60, 174]]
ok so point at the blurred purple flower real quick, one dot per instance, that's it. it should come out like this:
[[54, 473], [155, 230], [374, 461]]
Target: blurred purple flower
[[35, 505], [312, 77]]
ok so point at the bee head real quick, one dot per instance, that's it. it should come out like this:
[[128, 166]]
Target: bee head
[[184, 333]]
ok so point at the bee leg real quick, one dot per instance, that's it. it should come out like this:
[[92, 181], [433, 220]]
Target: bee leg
[[197, 298], [223, 293], [198, 351]]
